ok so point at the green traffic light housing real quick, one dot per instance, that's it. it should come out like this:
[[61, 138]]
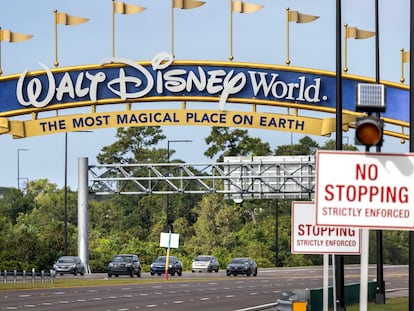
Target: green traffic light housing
[[369, 131]]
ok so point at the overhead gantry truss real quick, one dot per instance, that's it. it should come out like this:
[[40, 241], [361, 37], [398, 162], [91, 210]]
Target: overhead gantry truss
[[236, 178]]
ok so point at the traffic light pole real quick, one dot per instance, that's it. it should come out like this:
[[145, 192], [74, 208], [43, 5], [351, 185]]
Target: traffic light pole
[[339, 260], [411, 233], [380, 289]]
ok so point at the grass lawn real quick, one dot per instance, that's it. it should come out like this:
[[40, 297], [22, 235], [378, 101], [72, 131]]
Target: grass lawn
[[392, 304]]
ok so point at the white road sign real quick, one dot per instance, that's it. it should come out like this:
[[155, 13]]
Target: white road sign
[[169, 239], [362, 189], [309, 238]]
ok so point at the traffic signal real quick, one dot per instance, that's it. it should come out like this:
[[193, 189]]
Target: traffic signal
[[369, 131], [170, 225]]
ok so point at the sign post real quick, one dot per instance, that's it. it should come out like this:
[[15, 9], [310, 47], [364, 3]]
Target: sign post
[[168, 240], [365, 190], [308, 238]]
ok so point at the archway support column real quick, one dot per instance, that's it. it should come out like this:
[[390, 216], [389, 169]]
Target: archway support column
[[83, 233]]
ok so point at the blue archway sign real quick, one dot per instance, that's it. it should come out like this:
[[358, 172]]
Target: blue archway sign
[[163, 79]]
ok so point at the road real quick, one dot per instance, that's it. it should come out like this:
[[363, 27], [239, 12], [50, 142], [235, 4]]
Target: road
[[215, 291]]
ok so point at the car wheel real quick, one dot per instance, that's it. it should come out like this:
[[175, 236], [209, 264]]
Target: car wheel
[[116, 275], [61, 274], [74, 272], [255, 273], [131, 273], [139, 273], [159, 274], [228, 273], [180, 272], [152, 273], [192, 271], [109, 275]]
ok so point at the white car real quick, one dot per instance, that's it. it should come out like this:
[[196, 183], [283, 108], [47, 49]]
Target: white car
[[205, 263]]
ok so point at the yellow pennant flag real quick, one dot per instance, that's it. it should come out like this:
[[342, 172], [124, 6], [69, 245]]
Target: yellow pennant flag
[[299, 18], [124, 8], [9, 36], [353, 32], [296, 17], [242, 7], [186, 4], [405, 56], [65, 19]]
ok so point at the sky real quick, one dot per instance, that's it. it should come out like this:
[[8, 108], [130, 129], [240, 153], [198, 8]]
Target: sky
[[199, 34]]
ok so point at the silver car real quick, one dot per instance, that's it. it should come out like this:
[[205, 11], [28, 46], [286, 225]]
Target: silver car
[[205, 263], [69, 265]]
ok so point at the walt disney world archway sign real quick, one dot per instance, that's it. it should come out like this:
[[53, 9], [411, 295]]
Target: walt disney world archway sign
[[245, 95]]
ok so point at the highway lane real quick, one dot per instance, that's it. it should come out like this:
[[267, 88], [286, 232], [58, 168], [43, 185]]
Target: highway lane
[[215, 292], [227, 294]]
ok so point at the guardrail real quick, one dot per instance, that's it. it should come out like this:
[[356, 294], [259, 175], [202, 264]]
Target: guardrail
[[27, 276]]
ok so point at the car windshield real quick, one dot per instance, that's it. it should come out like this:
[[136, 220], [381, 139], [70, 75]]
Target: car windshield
[[66, 260], [122, 259], [240, 261], [203, 258], [161, 259]]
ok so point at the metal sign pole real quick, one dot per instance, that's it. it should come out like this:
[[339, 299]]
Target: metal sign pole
[[411, 233], [339, 260]]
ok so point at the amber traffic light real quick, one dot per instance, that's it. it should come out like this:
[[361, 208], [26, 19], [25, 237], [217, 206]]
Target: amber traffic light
[[369, 131]]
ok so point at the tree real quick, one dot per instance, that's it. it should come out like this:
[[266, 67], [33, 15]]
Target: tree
[[306, 146], [331, 145], [224, 142], [215, 227], [133, 146], [15, 202], [208, 224]]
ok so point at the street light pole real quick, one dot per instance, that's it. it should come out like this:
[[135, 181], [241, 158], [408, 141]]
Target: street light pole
[[168, 161], [169, 221], [18, 166]]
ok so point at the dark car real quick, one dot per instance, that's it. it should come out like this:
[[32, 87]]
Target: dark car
[[205, 263], [245, 266], [174, 266], [69, 265], [124, 264]]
